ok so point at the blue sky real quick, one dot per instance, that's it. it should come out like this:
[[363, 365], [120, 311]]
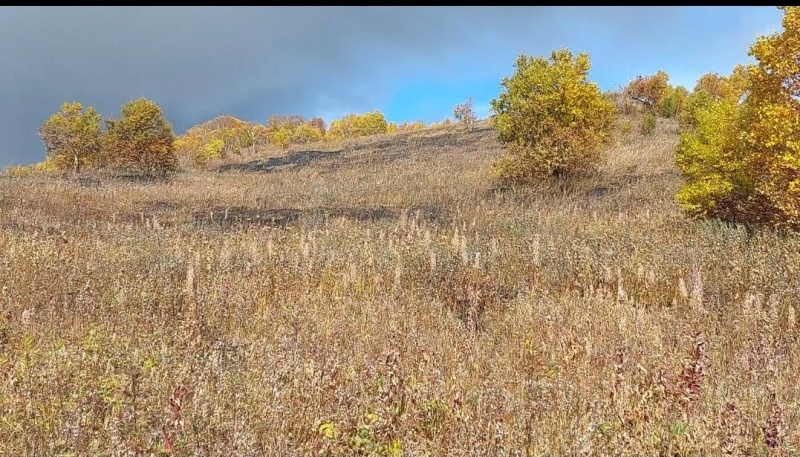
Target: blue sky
[[412, 63]]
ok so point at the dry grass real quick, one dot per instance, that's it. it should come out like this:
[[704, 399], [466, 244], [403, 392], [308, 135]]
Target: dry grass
[[388, 301]]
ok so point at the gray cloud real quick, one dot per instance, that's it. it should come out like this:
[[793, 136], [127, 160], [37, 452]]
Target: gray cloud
[[198, 63]]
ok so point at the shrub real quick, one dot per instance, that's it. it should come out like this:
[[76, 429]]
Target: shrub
[[742, 160], [674, 102], [358, 125], [286, 130], [407, 127], [219, 138], [71, 137], [141, 140], [651, 91], [41, 168], [712, 87], [464, 114], [551, 118], [648, 125], [307, 133]]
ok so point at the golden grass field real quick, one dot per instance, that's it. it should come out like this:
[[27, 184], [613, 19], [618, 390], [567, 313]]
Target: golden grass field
[[392, 300]]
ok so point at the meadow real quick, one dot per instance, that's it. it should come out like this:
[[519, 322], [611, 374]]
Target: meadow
[[384, 296]]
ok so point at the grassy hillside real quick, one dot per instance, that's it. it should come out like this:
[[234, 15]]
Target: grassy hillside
[[384, 297]]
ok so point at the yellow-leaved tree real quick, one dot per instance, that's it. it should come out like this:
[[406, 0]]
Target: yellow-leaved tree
[[141, 141], [742, 159], [551, 118], [358, 125], [71, 137], [712, 87]]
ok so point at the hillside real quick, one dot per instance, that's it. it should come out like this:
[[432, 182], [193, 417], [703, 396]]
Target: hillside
[[384, 296]]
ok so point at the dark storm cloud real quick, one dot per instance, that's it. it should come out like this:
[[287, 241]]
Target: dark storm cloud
[[200, 62], [252, 62]]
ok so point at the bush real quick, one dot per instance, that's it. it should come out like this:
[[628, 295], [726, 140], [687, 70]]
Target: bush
[[742, 160], [711, 87], [41, 168], [648, 125], [71, 137], [551, 118], [465, 114], [286, 130], [141, 140], [358, 125], [307, 133], [651, 91], [674, 102], [219, 138]]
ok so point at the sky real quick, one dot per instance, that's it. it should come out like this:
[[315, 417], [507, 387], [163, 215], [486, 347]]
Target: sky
[[412, 63]]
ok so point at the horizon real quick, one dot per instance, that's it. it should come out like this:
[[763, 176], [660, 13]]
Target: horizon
[[411, 63]]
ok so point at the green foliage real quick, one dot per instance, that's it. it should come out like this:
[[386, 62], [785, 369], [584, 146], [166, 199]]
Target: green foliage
[[648, 125], [141, 140], [551, 118], [71, 137], [358, 125], [674, 102], [742, 159]]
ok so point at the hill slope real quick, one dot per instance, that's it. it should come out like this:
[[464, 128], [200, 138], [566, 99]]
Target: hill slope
[[384, 295]]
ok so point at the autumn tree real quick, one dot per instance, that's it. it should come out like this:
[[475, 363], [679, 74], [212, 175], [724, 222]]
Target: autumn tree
[[358, 125], [141, 140], [218, 139], [712, 87], [465, 114], [650, 91], [674, 102], [551, 118], [294, 129], [71, 137], [319, 124], [742, 159]]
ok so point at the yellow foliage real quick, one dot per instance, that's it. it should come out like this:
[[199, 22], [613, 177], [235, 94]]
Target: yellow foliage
[[286, 130], [407, 127], [141, 140], [72, 137], [742, 160], [40, 168], [651, 91], [552, 119], [306, 133], [219, 138], [282, 137], [358, 125]]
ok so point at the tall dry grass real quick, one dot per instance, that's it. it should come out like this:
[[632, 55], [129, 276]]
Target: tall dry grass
[[390, 301]]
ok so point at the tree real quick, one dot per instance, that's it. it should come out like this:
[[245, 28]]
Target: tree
[[71, 137], [675, 102], [551, 118], [650, 91], [141, 140], [465, 114], [742, 160], [307, 133], [712, 87], [358, 125], [319, 124]]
